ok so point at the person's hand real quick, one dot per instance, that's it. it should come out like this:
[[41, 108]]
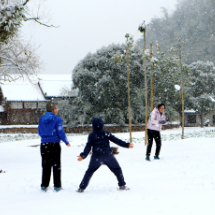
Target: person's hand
[[68, 145], [162, 121], [80, 158], [131, 145]]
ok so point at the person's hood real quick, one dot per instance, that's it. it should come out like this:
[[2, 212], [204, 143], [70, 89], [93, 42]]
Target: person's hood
[[48, 117], [157, 111], [97, 124]]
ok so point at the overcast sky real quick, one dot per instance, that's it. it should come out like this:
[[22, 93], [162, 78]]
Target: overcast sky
[[85, 26]]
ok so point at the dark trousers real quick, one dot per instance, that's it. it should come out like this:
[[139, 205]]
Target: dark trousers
[[97, 159], [50, 153], [156, 135]]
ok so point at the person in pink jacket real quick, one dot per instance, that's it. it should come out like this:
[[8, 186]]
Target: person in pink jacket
[[156, 120]]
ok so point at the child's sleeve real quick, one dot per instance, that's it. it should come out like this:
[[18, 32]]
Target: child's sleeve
[[118, 141], [87, 148]]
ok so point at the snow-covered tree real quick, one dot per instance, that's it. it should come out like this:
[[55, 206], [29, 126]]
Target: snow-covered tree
[[166, 76], [102, 82], [12, 15], [201, 89], [101, 79]]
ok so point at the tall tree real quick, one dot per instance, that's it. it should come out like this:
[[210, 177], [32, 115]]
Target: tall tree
[[102, 84]]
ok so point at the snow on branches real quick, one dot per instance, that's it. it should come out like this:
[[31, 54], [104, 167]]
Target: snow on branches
[[18, 57], [11, 17]]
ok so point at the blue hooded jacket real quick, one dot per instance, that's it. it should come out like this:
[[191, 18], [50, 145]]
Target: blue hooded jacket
[[51, 129], [99, 139]]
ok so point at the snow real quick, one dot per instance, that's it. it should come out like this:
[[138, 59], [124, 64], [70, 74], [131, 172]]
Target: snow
[[21, 89], [18, 126], [53, 85], [54, 88], [182, 182], [177, 87], [54, 77], [1, 108], [189, 111], [22, 92]]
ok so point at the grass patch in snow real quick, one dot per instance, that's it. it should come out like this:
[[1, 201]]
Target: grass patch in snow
[[169, 137], [165, 137]]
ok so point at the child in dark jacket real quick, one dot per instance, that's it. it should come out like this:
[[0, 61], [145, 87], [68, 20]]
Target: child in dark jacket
[[102, 154]]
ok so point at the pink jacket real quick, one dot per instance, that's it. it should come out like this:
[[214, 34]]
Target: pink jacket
[[154, 118]]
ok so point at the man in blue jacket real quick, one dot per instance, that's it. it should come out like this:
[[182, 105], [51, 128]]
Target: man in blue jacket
[[51, 132], [102, 154]]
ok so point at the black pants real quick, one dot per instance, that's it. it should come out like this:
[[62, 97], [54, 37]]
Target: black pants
[[50, 153], [156, 135], [97, 159]]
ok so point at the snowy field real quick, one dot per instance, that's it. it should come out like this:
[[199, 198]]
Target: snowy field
[[181, 183]]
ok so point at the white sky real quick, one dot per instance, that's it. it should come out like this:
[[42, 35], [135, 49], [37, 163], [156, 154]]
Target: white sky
[[86, 26]]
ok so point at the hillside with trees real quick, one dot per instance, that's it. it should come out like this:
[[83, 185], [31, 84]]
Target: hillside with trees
[[193, 22]]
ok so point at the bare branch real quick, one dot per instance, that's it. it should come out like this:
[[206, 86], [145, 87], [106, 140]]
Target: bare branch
[[36, 19], [26, 2]]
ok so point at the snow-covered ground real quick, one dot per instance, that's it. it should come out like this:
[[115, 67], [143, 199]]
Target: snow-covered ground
[[181, 183]]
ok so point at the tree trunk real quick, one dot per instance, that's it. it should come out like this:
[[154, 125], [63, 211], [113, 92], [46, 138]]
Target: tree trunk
[[201, 117]]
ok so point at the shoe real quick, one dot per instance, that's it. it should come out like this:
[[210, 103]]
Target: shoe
[[156, 158], [123, 188], [44, 189], [57, 189], [79, 190], [147, 158]]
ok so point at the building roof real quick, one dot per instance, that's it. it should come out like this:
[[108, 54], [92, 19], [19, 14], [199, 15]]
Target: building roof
[[34, 88], [57, 86], [21, 90]]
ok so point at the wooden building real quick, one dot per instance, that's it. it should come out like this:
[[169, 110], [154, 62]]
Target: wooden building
[[192, 119], [21, 102]]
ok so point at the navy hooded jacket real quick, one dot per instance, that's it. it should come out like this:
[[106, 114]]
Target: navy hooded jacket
[[51, 129], [99, 139]]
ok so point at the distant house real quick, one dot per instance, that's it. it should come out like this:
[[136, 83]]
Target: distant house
[[21, 102], [192, 119]]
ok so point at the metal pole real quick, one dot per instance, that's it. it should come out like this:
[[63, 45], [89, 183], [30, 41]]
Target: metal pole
[[129, 103], [151, 77], [146, 103], [182, 90]]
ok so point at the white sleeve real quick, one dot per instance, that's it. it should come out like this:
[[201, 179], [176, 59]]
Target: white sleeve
[[153, 118]]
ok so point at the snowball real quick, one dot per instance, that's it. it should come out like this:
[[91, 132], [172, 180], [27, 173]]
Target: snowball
[[177, 87]]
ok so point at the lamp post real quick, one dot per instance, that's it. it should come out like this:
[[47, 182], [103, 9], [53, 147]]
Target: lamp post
[[128, 79], [182, 90], [142, 29], [151, 65]]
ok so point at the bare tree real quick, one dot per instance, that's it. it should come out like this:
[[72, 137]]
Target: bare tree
[[18, 57], [15, 55]]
